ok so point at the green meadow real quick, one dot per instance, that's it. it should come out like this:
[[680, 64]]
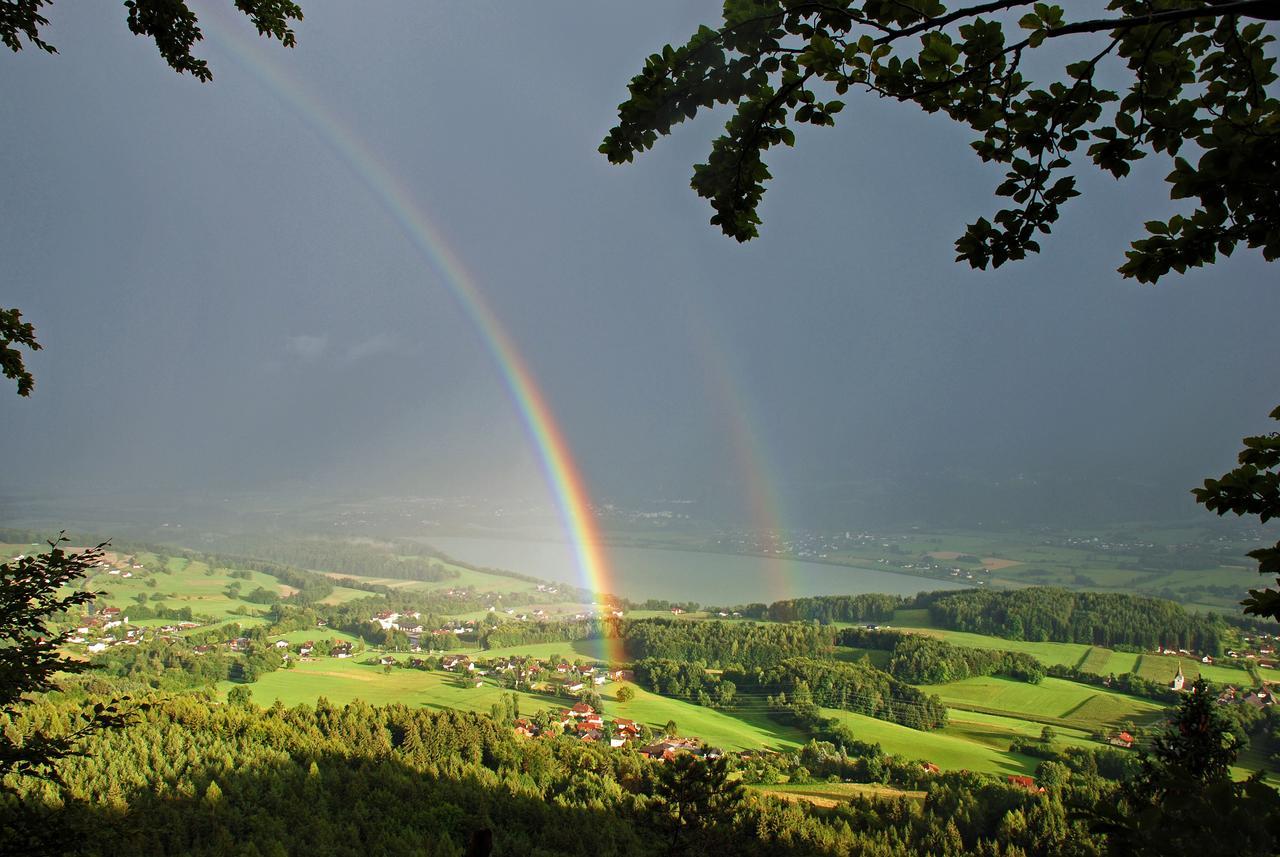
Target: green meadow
[[184, 583], [1164, 667], [949, 750], [1053, 701], [344, 680], [832, 794]]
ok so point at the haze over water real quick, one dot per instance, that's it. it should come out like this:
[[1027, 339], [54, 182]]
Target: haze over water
[[675, 575]]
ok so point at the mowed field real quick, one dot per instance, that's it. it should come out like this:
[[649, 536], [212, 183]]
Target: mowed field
[[948, 750], [183, 583], [1065, 654], [1163, 668], [1053, 701], [1093, 659], [833, 794], [342, 681]]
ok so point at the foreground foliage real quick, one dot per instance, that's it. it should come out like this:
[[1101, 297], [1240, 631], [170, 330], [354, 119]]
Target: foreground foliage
[[32, 592], [1253, 488], [1200, 91], [192, 777]]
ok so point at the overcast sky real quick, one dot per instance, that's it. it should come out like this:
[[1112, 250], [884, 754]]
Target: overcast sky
[[225, 304]]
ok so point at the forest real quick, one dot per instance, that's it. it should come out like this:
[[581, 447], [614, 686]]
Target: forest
[[192, 776], [1113, 620]]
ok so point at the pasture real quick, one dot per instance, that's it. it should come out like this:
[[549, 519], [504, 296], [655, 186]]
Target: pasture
[[948, 750], [1163, 668], [1053, 701], [181, 583], [343, 680], [828, 795]]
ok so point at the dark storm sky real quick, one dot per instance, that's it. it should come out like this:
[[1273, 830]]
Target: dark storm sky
[[226, 305]]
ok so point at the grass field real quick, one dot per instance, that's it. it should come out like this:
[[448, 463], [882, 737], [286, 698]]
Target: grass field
[[183, 584], [1065, 654], [1053, 700], [1093, 659], [1162, 668], [996, 731], [342, 681], [878, 657], [946, 749], [832, 794], [577, 650]]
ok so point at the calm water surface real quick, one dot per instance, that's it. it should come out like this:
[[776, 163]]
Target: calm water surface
[[708, 578]]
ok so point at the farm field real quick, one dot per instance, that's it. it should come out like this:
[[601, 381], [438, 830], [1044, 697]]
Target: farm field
[[342, 681], [879, 658], [996, 731], [1102, 661], [727, 730], [1053, 700], [1094, 659], [305, 634], [575, 650], [949, 751], [185, 584], [832, 794], [1065, 654], [1163, 668]]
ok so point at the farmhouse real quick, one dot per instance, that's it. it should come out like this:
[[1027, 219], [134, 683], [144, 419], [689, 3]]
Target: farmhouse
[[1027, 783]]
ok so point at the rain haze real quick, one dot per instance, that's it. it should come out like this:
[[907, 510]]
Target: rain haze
[[230, 303]]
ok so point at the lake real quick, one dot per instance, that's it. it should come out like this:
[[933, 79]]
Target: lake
[[674, 575]]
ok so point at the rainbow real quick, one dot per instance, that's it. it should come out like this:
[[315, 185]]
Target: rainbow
[[561, 471], [738, 412]]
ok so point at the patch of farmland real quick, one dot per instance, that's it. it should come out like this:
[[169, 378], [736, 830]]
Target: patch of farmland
[[1080, 705]]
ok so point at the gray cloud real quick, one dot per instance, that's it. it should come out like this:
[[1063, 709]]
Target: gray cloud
[[306, 347]]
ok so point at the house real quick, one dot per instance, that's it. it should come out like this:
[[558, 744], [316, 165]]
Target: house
[[526, 728], [341, 650], [282, 644], [931, 768], [452, 663], [1027, 783], [581, 710], [669, 748], [623, 731], [1121, 739], [1260, 699], [94, 648], [1207, 659], [386, 661]]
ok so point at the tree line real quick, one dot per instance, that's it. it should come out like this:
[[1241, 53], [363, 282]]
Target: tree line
[[718, 644], [1095, 618], [921, 659]]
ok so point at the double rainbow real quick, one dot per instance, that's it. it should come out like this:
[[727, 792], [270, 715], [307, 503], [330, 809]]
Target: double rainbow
[[561, 471]]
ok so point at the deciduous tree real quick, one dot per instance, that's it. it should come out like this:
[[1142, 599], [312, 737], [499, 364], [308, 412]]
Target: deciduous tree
[[34, 590], [1200, 92], [1253, 488]]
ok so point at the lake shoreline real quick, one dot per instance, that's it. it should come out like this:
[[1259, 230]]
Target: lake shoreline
[[441, 545]]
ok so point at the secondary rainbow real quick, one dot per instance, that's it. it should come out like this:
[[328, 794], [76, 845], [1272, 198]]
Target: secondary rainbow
[[722, 374], [561, 471]]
